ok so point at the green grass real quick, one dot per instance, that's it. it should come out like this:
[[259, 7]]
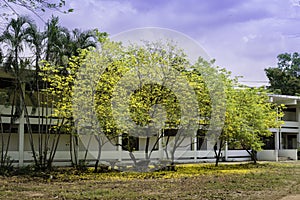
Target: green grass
[[190, 181]]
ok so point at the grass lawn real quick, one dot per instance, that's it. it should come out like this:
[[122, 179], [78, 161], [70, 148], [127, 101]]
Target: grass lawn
[[190, 181]]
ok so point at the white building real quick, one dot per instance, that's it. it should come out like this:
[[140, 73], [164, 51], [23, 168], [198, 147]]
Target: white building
[[283, 144], [285, 140]]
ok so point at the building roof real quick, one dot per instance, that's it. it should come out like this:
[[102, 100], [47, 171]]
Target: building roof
[[284, 99]]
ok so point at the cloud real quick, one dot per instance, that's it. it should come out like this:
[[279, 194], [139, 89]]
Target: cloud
[[243, 36]]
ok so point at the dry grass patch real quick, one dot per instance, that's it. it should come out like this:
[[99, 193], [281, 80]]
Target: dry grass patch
[[190, 181]]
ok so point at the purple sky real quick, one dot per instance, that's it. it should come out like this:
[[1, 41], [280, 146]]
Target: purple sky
[[243, 36]]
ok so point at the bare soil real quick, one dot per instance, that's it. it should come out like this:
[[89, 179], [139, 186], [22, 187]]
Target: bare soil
[[291, 197], [199, 181]]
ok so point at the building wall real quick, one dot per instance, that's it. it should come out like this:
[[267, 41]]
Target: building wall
[[289, 137]]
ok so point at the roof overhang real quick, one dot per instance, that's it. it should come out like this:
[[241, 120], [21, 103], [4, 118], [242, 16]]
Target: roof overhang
[[284, 99]]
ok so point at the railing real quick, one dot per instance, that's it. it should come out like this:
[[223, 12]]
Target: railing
[[63, 157], [291, 124], [33, 117]]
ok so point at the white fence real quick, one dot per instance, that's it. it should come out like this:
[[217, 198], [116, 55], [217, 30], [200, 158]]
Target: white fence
[[62, 158]]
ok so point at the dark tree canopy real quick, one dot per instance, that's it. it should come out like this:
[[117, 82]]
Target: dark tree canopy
[[285, 78]]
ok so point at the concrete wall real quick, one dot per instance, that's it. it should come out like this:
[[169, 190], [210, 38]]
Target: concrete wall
[[272, 155], [267, 155], [289, 153], [142, 143]]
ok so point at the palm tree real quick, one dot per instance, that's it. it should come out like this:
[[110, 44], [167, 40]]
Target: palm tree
[[14, 38], [82, 40], [36, 39], [56, 37], [56, 45]]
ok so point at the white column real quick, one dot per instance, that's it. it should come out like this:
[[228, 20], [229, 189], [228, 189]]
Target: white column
[[195, 147], [280, 139], [298, 120], [277, 143], [120, 147], [21, 140], [298, 140], [226, 151], [160, 146], [21, 130]]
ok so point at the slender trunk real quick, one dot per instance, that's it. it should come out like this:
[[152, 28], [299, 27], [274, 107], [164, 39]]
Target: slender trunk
[[75, 148], [2, 141], [254, 157], [71, 151], [54, 146], [218, 152], [166, 147], [16, 64], [55, 138], [132, 157], [40, 141], [47, 130], [218, 157], [11, 123], [147, 148], [156, 142], [37, 67], [252, 154], [96, 166], [87, 148], [28, 125], [98, 139], [177, 142], [173, 151], [41, 122], [172, 156]]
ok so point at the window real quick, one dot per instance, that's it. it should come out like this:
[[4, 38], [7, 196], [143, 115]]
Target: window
[[201, 144], [170, 132], [130, 143], [269, 142], [289, 114]]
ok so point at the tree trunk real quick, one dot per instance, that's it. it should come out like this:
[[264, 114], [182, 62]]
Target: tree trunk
[[11, 123], [218, 152], [166, 147], [71, 150], [75, 148], [132, 157], [173, 156], [2, 141], [87, 149], [54, 146], [252, 154], [147, 148], [22, 93], [99, 152]]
